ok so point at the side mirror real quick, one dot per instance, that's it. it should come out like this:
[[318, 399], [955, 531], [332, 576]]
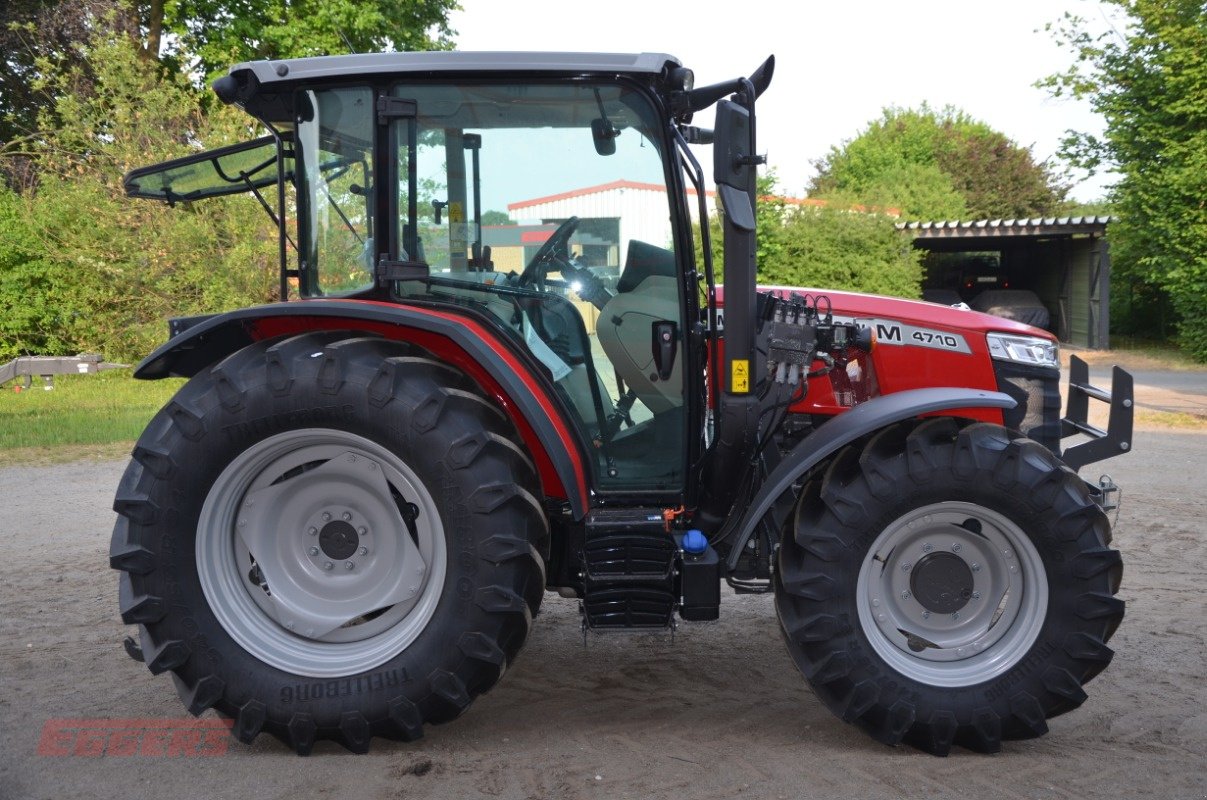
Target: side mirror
[[734, 163]]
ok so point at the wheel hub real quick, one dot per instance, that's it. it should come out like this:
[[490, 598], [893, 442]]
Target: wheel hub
[[952, 594], [942, 582], [338, 539], [307, 558]]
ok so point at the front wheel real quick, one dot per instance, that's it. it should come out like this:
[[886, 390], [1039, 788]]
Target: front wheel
[[326, 537], [946, 584]]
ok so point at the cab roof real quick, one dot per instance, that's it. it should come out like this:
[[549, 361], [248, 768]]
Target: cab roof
[[327, 67]]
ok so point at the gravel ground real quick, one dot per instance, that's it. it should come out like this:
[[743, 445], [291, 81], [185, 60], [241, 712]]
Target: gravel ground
[[719, 712]]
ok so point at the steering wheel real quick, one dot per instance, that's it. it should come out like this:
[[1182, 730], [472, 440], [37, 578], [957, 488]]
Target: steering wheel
[[554, 251]]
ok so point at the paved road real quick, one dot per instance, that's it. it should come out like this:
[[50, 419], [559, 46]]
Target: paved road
[[1161, 390]]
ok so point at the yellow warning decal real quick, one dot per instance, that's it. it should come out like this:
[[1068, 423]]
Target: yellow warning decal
[[739, 379]]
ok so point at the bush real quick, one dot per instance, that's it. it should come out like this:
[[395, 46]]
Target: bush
[[834, 248], [86, 269]]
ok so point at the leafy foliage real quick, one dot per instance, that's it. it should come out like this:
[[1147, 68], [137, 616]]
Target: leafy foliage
[[937, 165], [219, 33], [37, 36], [828, 246], [1148, 79], [85, 269]]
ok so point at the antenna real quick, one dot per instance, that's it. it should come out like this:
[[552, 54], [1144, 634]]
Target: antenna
[[347, 43]]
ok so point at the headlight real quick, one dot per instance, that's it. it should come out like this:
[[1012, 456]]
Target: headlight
[[1023, 349]]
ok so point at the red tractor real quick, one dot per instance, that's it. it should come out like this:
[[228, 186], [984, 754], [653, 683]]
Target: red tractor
[[343, 525]]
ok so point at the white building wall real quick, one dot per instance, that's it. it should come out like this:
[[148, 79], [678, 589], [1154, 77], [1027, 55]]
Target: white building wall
[[644, 213]]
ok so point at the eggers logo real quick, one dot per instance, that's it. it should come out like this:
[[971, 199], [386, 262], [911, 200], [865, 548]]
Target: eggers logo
[[171, 738]]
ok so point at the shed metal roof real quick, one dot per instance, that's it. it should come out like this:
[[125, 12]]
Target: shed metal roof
[[983, 228]]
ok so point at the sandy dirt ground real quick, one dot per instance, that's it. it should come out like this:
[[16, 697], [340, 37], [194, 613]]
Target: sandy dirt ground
[[719, 712]]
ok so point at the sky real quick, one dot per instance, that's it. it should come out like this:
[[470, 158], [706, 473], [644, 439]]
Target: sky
[[838, 64]]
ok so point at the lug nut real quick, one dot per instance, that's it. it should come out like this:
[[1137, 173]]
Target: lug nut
[[326, 517], [348, 565], [313, 531], [955, 615], [905, 595], [927, 547], [925, 615], [362, 530], [314, 551], [364, 551], [328, 565], [976, 595], [976, 567], [346, 516], [955, 548], [905, 567]]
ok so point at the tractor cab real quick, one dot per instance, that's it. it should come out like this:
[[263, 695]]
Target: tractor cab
[[552, 208]]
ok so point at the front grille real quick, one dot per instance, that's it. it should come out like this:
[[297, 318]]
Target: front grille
[[1037, 391]]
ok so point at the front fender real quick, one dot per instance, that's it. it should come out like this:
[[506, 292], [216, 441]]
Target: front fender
[[840, 431], [458, 338]]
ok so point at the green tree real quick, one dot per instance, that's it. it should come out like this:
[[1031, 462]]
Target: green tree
[[43, 38], [938, 165], [1147, 77], [218, 33], [37, 36]]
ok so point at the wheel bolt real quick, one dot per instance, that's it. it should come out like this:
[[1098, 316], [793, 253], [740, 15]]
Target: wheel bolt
[[348, 565], [927, 547], [314, 551], [955, 615], [905, 595], [905, 567], [347, 516], [976, 595], [328, 565], [976, 567], [326, 517], [955, 548], [362, 530], [364, 551], [925, 615], [313, 531]]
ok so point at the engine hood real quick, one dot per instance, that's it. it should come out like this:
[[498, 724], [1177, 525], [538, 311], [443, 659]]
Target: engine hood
[[854, 304]]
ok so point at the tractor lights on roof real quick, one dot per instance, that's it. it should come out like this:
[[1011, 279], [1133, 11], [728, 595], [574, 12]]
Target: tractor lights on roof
[[1023, 349]]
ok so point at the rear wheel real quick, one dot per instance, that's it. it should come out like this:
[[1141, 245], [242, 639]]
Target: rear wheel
[[330, 538], [946, 584]]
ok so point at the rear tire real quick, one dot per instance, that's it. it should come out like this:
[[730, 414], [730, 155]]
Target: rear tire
[[327, 467], [948, 585]]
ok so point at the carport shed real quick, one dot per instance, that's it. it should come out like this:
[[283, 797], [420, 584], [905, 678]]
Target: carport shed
[[1065, 261]]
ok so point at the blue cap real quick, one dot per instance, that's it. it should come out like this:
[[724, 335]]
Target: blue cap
[[694, 542]]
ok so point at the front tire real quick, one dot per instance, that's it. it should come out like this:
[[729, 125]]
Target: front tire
[[948, 584], [326, 537]]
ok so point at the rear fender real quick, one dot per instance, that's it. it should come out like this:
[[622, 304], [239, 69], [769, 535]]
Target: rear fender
[[456, 338], [843, 429]]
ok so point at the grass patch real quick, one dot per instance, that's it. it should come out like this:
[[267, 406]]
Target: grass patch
[[81, 411], [1178, 420]]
